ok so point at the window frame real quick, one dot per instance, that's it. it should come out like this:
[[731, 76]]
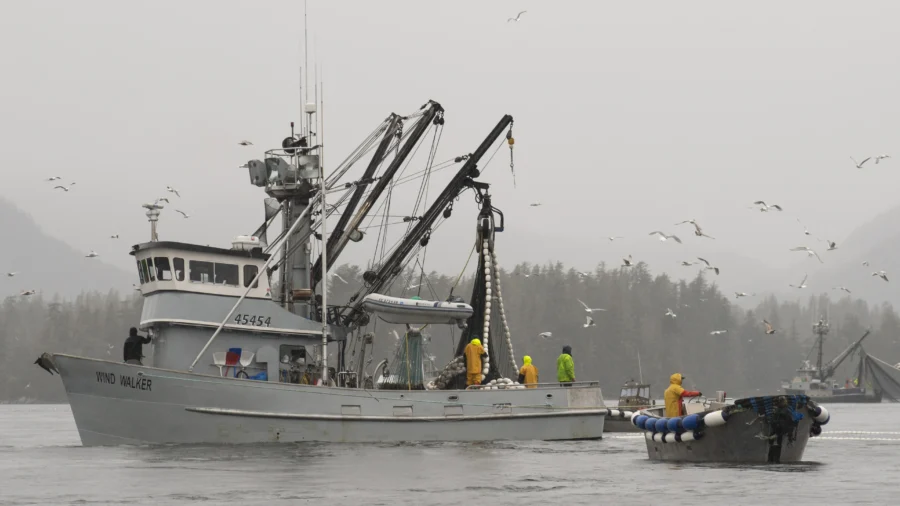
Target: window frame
[[249, 278], [175, 270]]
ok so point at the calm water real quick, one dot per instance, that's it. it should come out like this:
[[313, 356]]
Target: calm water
[[42, 463]]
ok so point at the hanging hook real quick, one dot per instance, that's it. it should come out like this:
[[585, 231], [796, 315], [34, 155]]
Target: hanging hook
[[511, 141]]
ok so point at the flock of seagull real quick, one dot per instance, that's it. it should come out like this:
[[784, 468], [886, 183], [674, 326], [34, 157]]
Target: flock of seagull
[[762, 206]]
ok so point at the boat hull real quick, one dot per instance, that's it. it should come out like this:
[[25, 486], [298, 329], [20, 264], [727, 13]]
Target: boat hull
[[741, 440], [115, 403], [848, 398]]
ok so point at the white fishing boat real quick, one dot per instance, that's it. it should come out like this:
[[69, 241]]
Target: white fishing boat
[[240, 336]]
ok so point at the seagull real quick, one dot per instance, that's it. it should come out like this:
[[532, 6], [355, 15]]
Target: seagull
[[186, 215], [163, 199], [880, 158], [628, 262], [685, 263], [805, 230], [109, 348], [765, 207], [335, 275], [535, 204], [26, 293], [808, 251], [590, 322], [613, 238], [519, 15], [802, 283], [769, 329], [136, 287], [865, 263], [670, 313], [245, 143], [881, 274], [11, 274], [738, 295], [61, 187], [860, 164], [717, 332], [841, 288], [92, 254], [664, 237], [114, 236], [545, 335], [698, 231], [173, 190], [589, 310], [831, 245], [46, 363], [413, 287], [54, 178], [709, 265]]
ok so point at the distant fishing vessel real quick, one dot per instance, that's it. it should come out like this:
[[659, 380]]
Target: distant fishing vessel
[[633, 397], [816, 381], [240, 335], [769, 429]]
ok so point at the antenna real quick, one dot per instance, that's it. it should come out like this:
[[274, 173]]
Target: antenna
[[305, 50]]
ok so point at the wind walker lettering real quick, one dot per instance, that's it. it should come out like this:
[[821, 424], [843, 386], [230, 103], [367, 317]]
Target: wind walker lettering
[[135, 382]]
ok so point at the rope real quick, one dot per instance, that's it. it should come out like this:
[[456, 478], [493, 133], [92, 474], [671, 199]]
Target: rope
[[455, 283]]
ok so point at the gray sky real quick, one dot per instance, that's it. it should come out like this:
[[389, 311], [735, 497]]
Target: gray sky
[[629, 117]]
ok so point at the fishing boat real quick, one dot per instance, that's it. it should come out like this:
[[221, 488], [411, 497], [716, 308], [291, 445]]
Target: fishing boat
[[240, 336], [633, 397], [754, 430], [816, 381]]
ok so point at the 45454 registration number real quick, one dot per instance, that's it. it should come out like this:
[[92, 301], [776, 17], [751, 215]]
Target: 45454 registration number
[[253, 320]]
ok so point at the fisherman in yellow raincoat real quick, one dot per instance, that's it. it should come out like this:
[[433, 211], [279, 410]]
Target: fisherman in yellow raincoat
[[528, 374], [674, 394], [473, 352]]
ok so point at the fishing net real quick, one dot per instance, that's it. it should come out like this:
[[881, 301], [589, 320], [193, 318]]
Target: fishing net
[[407, 369], [884, 377]]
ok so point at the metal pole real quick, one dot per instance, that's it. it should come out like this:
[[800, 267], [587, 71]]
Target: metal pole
[[249, 287], [640, 373], [325, 238]]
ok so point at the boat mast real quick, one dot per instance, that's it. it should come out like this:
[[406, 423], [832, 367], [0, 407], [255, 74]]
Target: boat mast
[[324, 232], [640, 373], [820, 329]]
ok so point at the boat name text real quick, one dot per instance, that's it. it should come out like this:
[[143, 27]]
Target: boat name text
[[135, 382], [253, 320]]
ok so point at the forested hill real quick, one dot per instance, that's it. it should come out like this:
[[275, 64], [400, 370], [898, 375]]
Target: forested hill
[[741, 361]]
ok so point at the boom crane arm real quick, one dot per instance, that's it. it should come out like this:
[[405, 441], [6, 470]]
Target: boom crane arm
[[829, 368], [391, 267]]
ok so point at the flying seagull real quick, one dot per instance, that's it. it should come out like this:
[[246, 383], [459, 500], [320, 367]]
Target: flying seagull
[[162, 199], [186, 215], [590, 322], [865, 263], [46, 363], [545, 335], [802, 283], [709, 265], [738, 295], [880, 158], [11, 274], [670, 313], [614, 237], [92, 254], [697, 230], [114, 236], [831, 245], [769, 329], [535, 204], [717, 332], [516, 19], [881, 274], [628, 262], [245, 143], [26, 293], [589, 310], [61, 187], [805, 230], [54, 178], [664, 237], [841, 288], [809, 252], [335, 275], [685, 263], [173, 190], [765, 207], [860, 164]]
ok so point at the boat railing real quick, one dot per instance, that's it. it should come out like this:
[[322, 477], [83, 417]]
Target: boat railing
[[578, 384]]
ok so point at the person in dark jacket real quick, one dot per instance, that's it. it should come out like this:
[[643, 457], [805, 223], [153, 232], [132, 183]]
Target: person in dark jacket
[[133, 350]]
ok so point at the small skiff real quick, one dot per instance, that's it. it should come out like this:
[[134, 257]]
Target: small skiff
[[416, 311]]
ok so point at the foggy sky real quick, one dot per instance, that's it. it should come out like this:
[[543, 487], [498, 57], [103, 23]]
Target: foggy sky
[[628, 117]]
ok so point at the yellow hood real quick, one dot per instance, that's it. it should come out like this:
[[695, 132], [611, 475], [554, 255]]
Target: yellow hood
[[675, 379]]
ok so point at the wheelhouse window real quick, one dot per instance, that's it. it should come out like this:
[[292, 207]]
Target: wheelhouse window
[[227, 274], [178, 263], [150, 269], [250, 272], [201, 272], [141, 275], [163, 270]]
